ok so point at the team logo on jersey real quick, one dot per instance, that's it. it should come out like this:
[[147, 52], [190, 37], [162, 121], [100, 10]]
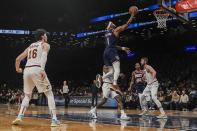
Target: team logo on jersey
[[48, 87]]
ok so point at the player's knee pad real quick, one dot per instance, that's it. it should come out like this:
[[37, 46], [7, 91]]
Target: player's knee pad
[[116, 66], [51, 101], [26, 100]]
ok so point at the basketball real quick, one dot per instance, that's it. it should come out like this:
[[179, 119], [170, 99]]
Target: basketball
[[133, 10]]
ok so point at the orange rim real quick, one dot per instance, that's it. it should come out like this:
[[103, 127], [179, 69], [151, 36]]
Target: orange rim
[[161, 12]]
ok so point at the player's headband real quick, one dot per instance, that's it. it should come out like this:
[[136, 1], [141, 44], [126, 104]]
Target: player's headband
[[111, 25]]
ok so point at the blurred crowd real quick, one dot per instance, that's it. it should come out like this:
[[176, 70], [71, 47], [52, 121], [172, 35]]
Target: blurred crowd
[[11, 96], [182, 96]]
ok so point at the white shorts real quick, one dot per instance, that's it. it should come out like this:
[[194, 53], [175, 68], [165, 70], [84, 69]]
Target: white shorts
[[151, 90], [107, 93], [32, 78]]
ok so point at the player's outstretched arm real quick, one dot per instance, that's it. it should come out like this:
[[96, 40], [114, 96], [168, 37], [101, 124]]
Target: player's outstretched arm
[[19, 59], [121, 28]]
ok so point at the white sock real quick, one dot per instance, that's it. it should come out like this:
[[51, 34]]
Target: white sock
[[24, 105], [22, 111], [53, 113], [116, 66], [122, 112]]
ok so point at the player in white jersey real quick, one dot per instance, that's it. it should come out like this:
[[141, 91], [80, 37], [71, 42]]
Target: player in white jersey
[[34, 75], [151, 88], [107, 92]]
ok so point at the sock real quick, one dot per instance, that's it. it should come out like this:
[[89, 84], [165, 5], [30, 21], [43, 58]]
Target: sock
[[94, 109], [122, 112], [24, 105], [53, 114], [116, 66], [22, 111]]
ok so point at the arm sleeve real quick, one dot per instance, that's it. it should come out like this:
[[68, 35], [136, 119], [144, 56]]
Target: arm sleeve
[[43, 60]]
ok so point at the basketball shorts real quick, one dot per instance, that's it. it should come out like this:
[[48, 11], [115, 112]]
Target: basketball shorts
[[110, 55], [32, 78], [107, 92], [151, 90]]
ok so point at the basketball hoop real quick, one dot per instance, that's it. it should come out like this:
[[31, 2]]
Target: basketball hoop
[[161, 17]]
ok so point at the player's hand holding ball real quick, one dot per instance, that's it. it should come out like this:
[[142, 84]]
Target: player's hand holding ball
[[19, 70], [133, 10]]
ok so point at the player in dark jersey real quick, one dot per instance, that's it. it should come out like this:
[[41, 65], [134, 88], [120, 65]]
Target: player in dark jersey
[[137, 81], [110, 55]]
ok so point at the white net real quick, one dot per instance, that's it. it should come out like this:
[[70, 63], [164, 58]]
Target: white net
[[161, 17]]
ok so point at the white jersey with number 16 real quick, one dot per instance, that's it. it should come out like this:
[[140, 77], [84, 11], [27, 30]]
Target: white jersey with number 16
[[34, 54]]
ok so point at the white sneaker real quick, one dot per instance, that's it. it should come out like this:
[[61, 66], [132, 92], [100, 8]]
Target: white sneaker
[[145, 112], [92, 124], [162, 116], [124, 117], [93, 113]]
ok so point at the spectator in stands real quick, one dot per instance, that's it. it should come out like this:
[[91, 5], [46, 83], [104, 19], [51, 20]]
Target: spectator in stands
[[184, 99], [193, 98], [161, 97], [175, 100]]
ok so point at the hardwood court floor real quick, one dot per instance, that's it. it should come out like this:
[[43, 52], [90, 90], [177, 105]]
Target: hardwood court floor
[[77, 119]]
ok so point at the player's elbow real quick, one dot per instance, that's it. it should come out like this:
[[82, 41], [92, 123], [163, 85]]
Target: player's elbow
[[155, 73], [17, 60]]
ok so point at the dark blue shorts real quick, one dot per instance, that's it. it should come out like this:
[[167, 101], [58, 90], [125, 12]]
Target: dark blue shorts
[[110, 55], [139, 88]]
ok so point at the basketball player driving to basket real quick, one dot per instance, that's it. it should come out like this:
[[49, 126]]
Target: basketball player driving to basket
[[110, 55], [34, 75]]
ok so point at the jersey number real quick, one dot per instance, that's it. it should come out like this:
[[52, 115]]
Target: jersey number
[[32, 54]]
